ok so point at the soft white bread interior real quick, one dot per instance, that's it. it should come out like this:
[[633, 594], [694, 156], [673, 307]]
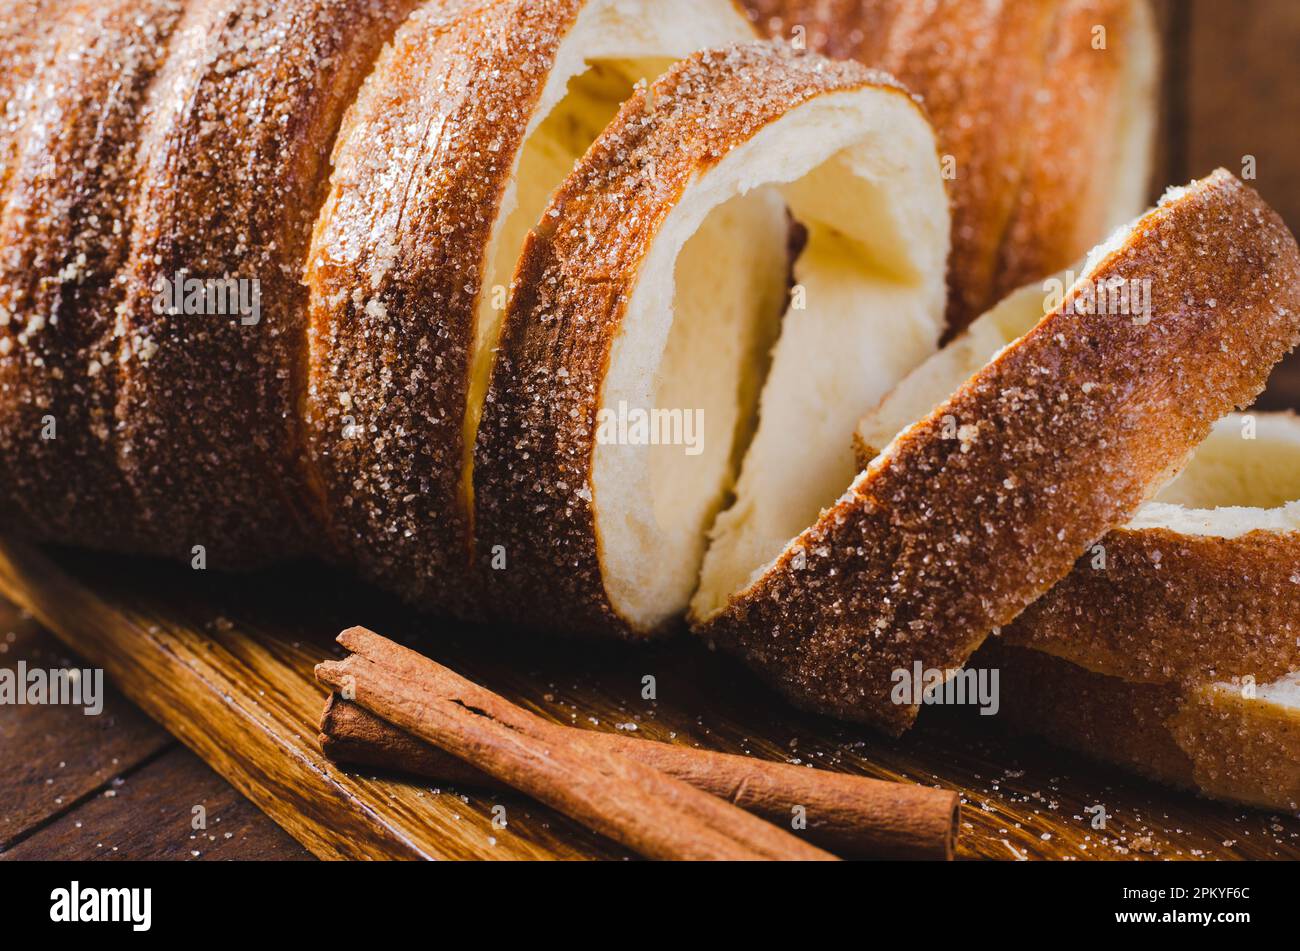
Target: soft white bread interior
[[932, 382], [612, 46], [654, 289], [866, 310], [858, 170], [1244, 478], [724, 297], [1007, 86]]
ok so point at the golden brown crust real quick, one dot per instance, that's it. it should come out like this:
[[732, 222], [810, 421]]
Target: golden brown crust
[[64, 243], [1212, 739], [1064, 205], [235, 170], [534, 455], [1173, 607], [389, 306], [976, 66], [844, 29], [1067, 433], [24, 30], [1153, 604], [25, 44], [1242, 749], [393, 309], [1121, 723]]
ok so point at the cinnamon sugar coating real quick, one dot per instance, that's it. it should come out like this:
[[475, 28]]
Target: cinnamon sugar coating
[[25, 46], [1062, 203], [65, 242], [234, 170], [1212, 739], [396, 274], [1176, 608]]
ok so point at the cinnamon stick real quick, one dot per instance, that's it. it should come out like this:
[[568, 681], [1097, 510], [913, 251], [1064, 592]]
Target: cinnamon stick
[[849, 815], [634, 804], [852, 816]]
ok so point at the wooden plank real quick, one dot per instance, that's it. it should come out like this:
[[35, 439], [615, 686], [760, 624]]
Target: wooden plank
[[62, 767], [226, 664], [149, 815], [54, 756]]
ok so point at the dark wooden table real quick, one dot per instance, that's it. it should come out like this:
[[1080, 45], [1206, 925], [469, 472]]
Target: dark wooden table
[[113, 786], [118, 786], [1231, 101]]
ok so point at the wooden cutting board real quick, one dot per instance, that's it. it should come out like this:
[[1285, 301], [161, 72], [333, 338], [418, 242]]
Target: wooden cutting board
[[225, 664]]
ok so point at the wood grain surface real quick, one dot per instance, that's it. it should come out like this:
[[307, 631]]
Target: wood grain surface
[[148, 815], [111, 786], [226, 665]]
